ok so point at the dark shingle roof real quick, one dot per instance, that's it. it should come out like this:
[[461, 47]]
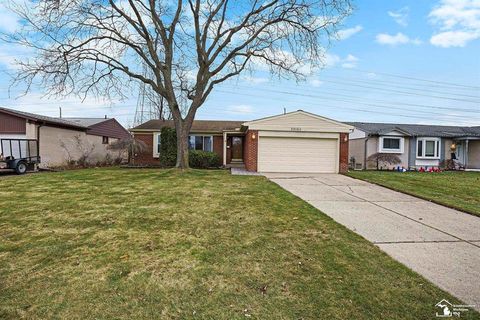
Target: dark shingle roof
[[198, 125], [419, 130], [41, 118]]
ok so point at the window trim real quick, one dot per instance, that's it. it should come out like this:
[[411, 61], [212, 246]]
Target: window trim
[[156, 141], [381, 149], [203, 141], [437, 148]]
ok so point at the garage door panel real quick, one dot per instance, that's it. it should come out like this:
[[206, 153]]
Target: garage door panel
[[280, 154]]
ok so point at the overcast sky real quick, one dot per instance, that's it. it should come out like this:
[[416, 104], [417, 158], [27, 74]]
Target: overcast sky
[[396, 61]]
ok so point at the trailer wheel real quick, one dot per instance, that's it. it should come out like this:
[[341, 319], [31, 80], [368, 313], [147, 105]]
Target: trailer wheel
[[21, 167]]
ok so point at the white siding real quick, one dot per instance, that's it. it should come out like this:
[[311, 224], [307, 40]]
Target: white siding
[[298, 121], [357, 134]]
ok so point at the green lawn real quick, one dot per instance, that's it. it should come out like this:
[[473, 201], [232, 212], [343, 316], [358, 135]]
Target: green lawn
[[459, 190], [143, 244]]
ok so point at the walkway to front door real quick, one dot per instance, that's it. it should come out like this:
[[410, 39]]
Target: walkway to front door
[[441, 244]]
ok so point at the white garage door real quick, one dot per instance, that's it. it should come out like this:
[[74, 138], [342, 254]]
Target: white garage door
[[280, 154]]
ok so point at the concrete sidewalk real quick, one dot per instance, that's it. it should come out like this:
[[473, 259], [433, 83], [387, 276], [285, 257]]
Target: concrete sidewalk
[[439, 243]]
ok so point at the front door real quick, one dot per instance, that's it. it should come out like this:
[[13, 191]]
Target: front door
[[237, 148], [460, 153]]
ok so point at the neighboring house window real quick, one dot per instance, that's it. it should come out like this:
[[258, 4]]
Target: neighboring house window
[[105, 140], [428, 148], [391, 145], [157, 142], [204, 143]]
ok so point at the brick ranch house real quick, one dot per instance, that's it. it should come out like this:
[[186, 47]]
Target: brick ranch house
[[298, 141], [62, 139]]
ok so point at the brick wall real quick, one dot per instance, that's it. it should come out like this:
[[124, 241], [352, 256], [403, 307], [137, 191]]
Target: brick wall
[[343, 152], [218, 146], [251, 150], [146, 158]]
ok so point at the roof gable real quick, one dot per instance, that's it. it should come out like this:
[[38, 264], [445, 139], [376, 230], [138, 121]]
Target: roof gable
[[109, 128], [393, 132], [298, 121]]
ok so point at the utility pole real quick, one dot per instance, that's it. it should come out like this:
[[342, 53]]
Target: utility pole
[[149, 104], [60, 109]]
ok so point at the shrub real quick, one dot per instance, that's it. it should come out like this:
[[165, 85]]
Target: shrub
[[203, 159], [168, 147], [388, 158], [447, 164], [130, 146]]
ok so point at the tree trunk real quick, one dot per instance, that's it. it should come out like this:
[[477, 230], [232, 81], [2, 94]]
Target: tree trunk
[[182, 150], [182, 128]]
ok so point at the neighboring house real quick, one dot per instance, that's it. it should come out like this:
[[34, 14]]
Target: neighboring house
[[63, 139], [293, 142], [416, 145]]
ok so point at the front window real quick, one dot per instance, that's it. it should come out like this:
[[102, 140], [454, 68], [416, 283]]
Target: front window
[[105, 140], [428, 148], [204, 143], [157, 143], [391, 145]]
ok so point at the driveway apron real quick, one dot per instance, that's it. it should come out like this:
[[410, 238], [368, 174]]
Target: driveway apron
[[440, 243]]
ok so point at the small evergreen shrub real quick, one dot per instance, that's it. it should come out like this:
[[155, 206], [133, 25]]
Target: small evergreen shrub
[[168, 147], [203, 159]]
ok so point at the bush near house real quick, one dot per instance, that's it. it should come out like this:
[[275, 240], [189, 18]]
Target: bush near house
[[204, 159], [379, 159], [197, 159], [168, 147], [130, 146]]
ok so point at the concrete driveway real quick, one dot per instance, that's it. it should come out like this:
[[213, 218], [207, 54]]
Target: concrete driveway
[[439, 243]]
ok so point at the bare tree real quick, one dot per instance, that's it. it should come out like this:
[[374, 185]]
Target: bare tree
[[99, 46]]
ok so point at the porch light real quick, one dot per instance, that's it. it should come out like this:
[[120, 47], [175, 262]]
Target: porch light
[[253, 136], [345, 139], [453, 146]]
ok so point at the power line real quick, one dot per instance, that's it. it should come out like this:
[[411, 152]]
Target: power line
[[343, 108], [406, 92], [355, 99], [415, 78], [394, 85]]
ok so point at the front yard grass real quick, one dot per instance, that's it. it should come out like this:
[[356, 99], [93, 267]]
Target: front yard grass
[[460, 190], [145, 244]]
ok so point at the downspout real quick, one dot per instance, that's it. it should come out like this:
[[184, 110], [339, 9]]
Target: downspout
[[365, 152], [38, 145], [38, 137], [465, 152]]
